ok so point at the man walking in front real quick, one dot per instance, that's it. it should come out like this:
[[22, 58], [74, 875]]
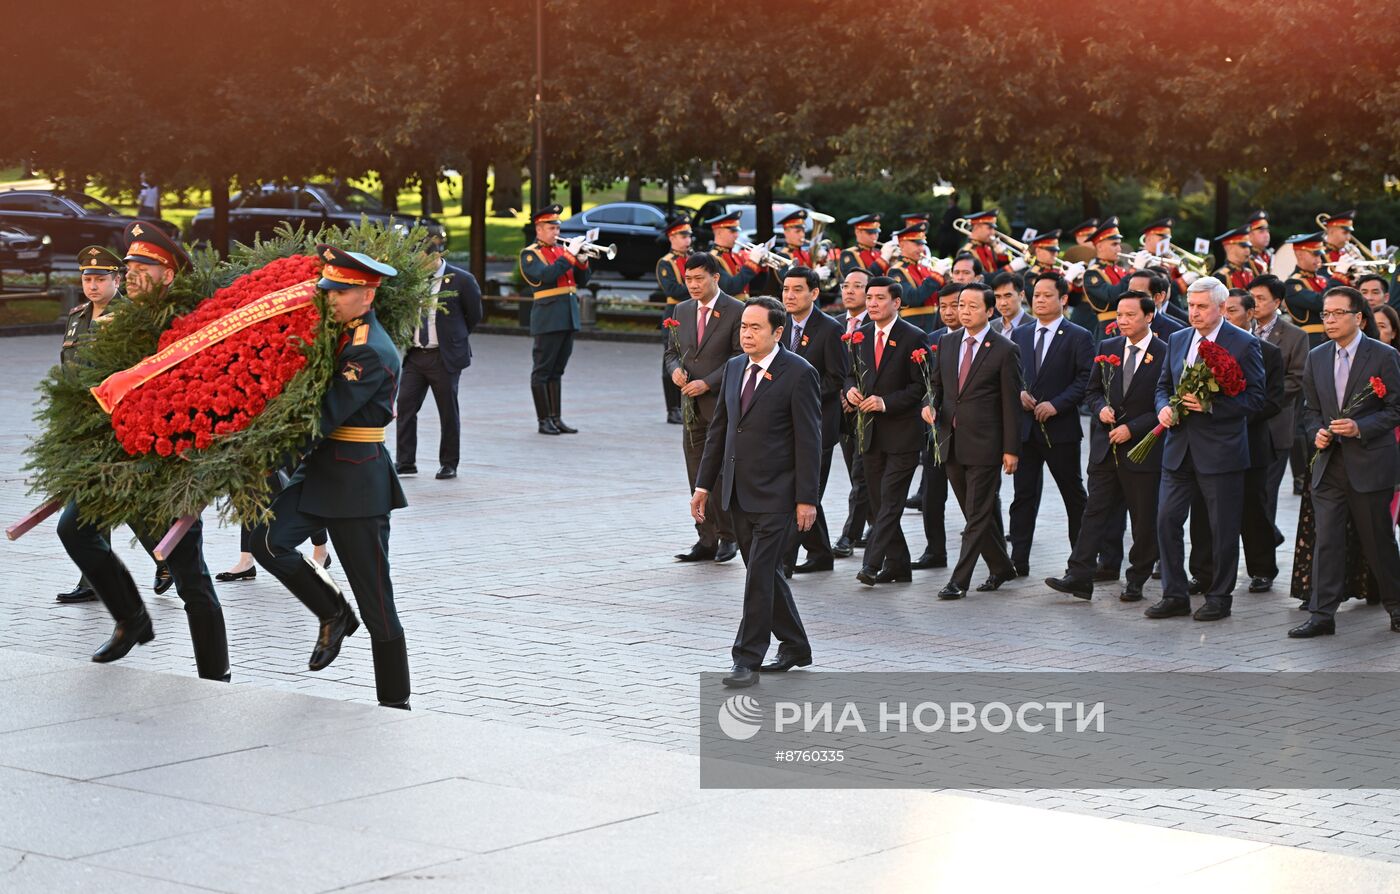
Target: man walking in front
[[763, 451]]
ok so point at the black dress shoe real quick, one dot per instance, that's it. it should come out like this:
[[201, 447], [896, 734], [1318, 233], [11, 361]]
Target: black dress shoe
[[164, 580], [246, 574], [1212, 611], [445, 473], [125, 636], [812, 565], [928, 560], [914, 503], [406, 469], [1077, 588], [886, 576], [698, 553], [333, 633], [727, 550], [1169, 608], [1023, 570], [1105, 574], [1297, 487], [402, 706], [740, 676], [1395, 625], [1156, 570], [843, 548], [787, 571], [673, 417], [1261, 584], [1196, 586], [784, 662], [994, 582], [1314, 627], [867, 577], [952, 591], [1131, 592], [547, 427], [79, 593]]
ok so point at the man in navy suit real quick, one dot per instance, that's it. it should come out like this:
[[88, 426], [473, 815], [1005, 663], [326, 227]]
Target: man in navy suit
[[1056, 358], [890, 389], [763, 450], [1122, 415], [1353, 477], [1205, 454], [441, 350], [1159, 288], [816, 338]]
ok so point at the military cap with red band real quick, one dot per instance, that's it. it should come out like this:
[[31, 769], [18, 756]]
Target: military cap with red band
[[548, 214], [147, 243], [1341, 219], [677, 223], [1107, 230], [349, 269], [1305, 242]]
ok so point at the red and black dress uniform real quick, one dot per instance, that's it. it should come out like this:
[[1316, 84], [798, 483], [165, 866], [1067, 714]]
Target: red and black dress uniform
[[1235, 275], [988, 254], [1261, 259], [736, 270], [1162, 228], [919, 284], [801, 253], [346, 484], [670, 279], [92, 553], [1047, 241], [1302, 292], [1330, 255], [1104, 282], [554, 277], [868, 259]]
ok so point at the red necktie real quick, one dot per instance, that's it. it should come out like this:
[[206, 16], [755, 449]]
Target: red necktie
[[966, 366], [700, 316], [879, 348]]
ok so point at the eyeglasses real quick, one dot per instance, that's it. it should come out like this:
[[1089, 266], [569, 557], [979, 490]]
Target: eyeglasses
[[1337, 314]]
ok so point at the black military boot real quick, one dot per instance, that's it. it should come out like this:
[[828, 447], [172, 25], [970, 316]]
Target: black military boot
[[554, 410], [391, 672], [210, 645], [313, 586], [125, 636], [541, 395]]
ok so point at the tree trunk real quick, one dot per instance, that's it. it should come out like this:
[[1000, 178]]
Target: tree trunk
[[507, 197], [1222, 204], [763, 216], [976, 200], [430, 195], [389, 190], [576, 195], [634, 188], [671, 195], [477, 234], [467, 180], [1088, 202], [218, 198]]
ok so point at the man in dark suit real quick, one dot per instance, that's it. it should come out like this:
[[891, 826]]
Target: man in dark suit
[[1271, 325], [889, 390], [1123, 414], [708, 336], [1008, 289], [441, 350], [858, 501], [816, 338], [1056, 358], [1355, 472], [933, 490], [763, 450], [1204, 453], [1158, 286], [975, 406]]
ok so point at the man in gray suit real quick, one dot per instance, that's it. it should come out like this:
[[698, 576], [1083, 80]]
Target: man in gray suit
[[1353, 476], [708, 336]]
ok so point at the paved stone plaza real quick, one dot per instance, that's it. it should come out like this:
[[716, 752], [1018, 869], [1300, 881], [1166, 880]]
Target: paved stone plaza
[[542, 607]]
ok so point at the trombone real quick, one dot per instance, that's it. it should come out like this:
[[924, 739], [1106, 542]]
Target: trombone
[[1358, 248], [1201, 266], [773, 260], [1009, 245]]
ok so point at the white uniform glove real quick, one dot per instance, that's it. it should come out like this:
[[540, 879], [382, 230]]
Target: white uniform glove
[[942, 266], [1074, 272], [889, 248], [1141, 259], [1018, 264], [758, 253], [1189, 277], [1343, 265], [575, 245]]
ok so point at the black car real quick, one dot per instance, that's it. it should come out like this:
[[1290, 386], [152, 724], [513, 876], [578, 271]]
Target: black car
[[23, 251], [72, 221], [257, 212], [638, 229]]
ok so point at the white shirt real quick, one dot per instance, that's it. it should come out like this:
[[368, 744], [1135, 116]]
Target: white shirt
[[859, 320], [885, 329], [1014, 323], [1351, 358], [763, 364], [1051, 328], [980, 337], [1213, 335], [432, 315], [1264, 330], [797, 325], [1141, 344]]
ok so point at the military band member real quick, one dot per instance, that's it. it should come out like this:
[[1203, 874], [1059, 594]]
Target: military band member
[[918, 280], [101, 277], [1260, 254], [1337, 230], [794, 227], [983, 245], [865, 254], [1106, 278], [737, 268], [1157, 242], [670, 279], [1045, 258], [346, 484], [554, 272], [1083, 233], [1237, 272], [1304, 288], [152, 261]]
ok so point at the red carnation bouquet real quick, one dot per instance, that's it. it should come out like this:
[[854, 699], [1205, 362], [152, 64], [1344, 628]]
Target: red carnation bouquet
[[689, 415], [852, 339], [220, 389], [1215, 372], [920, 356], [1374, 386], [1107, 364]]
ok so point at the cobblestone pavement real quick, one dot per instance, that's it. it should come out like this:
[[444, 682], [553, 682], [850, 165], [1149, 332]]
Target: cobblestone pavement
[[538, 589]]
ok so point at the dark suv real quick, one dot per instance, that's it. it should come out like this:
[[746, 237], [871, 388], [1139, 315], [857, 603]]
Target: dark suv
[[72, 221], [258, 212]]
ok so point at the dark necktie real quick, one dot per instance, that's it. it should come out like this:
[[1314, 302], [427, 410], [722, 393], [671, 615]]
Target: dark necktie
[[746, 396], [423, 329], [966, 366], [1129, 367], [796, 335], [1040, 348]]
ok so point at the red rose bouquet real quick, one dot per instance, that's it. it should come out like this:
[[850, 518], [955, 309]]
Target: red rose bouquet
[[1215, 372]]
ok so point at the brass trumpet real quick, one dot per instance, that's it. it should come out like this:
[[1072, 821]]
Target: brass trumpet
[[594, 250], [1201, 266], [773, 260]]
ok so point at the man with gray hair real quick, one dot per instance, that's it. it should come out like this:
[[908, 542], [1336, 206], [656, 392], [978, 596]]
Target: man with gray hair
[[1205, 454]]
